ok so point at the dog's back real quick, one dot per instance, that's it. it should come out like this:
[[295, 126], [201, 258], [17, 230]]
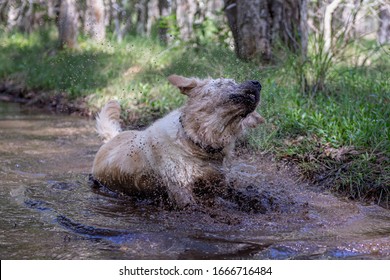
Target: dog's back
[[107, 122]]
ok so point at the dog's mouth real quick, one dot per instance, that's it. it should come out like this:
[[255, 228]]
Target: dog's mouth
[[252, 96], [248, 95]]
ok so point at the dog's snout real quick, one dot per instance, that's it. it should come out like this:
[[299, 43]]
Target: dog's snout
[[256, 84]]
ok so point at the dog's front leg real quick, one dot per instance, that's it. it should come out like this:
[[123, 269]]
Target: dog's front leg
[[177, 177], [180, 195]]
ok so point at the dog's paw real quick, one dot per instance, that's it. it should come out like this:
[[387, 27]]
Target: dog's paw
[[93, 183]]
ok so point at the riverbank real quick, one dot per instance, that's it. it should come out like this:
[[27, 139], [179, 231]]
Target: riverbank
[[59, 103], [338, 138]]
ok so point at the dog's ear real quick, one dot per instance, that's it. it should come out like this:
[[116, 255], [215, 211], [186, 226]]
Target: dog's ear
[[185, 85]]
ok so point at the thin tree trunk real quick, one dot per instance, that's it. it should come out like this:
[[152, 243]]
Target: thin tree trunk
[[28, 21], [231, 15], [153, 15], [53, 8], [384, 24], [3, 12], [107, 12], [164, 11], [304, 29], [121, 17], [15, 14], [95, 20], [185, 14], [142, 16], [117, 10], [329, 10], [213, 6], [68, 24]]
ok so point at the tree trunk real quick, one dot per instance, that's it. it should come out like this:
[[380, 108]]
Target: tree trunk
[[185, 15], [15, 14], [29, 21], [303, 29], [328, 24], [164, 11], [53, 9], [95, 20], [348, 17], [384, 24], [121, 16], [107, 12], [68, 24], [213, 6], [142, 16], [257, 25]]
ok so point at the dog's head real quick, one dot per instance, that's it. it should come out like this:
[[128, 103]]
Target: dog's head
[[217, 111]]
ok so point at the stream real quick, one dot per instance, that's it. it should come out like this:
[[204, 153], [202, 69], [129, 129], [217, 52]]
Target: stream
[[49, 211]]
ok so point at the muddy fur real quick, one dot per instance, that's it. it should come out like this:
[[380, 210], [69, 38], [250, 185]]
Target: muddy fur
[[184, 155]]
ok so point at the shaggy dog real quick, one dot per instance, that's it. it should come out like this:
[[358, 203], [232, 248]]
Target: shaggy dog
[[184, 151]]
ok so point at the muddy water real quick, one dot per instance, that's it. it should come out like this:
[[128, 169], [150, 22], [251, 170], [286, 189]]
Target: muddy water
[[49, 211]]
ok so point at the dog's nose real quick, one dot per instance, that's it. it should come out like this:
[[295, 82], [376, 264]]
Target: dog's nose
[[256, 84]]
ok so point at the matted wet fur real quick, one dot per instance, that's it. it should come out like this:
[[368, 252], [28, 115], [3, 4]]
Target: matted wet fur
[[184, 152]]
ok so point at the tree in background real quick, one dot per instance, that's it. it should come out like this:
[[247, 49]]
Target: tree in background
[[142, 16], [384, 24], [20, 14], [185, 14], [337, 27], [164, 9], [68, 24], [15, 14], [258, 25], [120, 14], [94, 22]]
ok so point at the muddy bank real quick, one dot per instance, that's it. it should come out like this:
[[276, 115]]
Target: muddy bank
[[50, 212], [58, 102]]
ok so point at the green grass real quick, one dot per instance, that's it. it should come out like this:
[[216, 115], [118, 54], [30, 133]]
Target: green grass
[[338, 137]]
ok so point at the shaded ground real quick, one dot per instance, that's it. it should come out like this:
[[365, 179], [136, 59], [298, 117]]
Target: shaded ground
[[48, 211]]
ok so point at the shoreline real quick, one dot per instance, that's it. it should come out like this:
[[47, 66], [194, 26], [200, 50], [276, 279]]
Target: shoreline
[[55, 102]]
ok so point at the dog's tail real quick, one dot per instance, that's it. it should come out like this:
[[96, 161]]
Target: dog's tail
[[108, 121]]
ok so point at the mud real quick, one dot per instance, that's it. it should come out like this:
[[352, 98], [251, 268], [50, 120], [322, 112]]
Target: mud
[[49, 211]]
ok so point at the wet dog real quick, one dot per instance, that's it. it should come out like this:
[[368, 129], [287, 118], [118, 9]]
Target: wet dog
[[184, 151]]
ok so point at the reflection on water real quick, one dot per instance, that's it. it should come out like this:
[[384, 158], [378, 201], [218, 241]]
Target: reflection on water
[[48, 210]]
